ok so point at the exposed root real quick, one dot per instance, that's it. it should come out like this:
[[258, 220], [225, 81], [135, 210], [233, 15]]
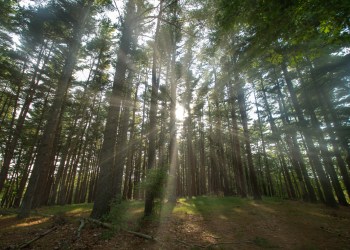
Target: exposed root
[[82, 224], [110, 226], [100, 223]]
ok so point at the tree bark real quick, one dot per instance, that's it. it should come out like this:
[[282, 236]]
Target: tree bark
[[243, 112], [152, 133], [104, 189], [46, 145], [312, 152]]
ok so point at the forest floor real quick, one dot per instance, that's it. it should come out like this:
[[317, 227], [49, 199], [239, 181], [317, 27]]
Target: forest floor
[[202, 222]]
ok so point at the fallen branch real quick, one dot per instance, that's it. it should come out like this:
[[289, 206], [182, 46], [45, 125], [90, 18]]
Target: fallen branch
[[145, 236], [110, 226], [215, 237], [38, 237], [190, 245], [209, 245], [221, 243], [184, 243]]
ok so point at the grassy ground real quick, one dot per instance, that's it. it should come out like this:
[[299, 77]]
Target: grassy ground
[[202, 222]]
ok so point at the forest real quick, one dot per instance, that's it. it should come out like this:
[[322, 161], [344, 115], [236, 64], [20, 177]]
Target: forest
[[123, 107]]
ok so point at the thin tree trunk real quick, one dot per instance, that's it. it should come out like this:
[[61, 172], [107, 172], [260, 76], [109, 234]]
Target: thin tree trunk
[[312, 152], [270, 187], [243, 112], [46, 145], [152, 133]]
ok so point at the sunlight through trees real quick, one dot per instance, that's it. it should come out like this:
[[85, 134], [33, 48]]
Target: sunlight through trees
[[104, 101]]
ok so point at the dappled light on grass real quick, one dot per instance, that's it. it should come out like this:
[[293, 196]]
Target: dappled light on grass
[[75, 209], [195, 227], [185, 206], [31, 222], [237, 210], [263, 207], [137, 211], [223, 217], [166, 208], [126, 214], [184, 224]]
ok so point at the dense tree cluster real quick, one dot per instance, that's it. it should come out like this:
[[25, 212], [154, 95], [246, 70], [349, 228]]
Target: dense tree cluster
[[109, 100]]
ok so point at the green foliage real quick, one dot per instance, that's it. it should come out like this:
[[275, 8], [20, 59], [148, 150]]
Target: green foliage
[[125, 214], [117, 213], [155, 182], [207, 205]]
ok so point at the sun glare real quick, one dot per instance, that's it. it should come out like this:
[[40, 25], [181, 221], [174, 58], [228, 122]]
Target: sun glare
[[180, 112]]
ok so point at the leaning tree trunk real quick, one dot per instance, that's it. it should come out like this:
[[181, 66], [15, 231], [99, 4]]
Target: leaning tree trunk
[[46, 144], [325, 154], [312, 152], [308, 192], [323, 100], [12, 144], [278, 140]]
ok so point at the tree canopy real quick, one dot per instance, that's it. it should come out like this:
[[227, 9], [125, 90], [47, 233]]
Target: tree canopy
[[103, 101]]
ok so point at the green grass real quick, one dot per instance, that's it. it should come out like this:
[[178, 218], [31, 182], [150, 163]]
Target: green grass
[[186, 206], [206, 205], [127, 214], [73, 209], [273, 200]]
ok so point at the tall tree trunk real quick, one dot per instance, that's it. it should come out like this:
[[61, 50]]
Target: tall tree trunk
[[46, 145], [131, 149], [122, 144], [236, 144], [243, 112], [152, 133], [270, 187], [173, 150], [104, 190]]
